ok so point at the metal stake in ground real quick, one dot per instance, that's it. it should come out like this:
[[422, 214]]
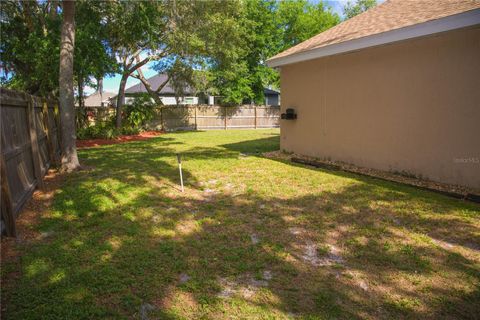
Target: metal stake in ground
[[179, 159]]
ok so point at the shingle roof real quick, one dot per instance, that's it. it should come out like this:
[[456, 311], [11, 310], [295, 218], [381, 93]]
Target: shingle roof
[[95, 99], [158, 79], [388, 16], [270, 91], [155, 82]]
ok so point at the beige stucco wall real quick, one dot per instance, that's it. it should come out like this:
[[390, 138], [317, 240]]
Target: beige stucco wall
[[412, 106]]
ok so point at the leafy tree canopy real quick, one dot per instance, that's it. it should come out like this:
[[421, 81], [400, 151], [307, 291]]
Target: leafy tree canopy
[[30, 46], [268, 27], [217, 46], [352, 9]]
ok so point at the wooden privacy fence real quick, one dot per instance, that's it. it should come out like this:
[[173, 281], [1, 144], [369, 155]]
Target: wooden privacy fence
[[30, 144], [202, 117], [216, 117], [95, 114]]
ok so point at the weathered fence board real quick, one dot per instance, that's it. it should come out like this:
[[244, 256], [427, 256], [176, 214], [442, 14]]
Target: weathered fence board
[[218, 117], [29, 146], [202, 117]]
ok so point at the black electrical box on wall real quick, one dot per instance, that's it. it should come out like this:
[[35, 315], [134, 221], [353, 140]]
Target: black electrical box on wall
[[289, 114]]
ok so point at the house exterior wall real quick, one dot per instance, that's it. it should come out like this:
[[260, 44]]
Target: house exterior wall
[[411, 107], [272, 100], [168, 100]]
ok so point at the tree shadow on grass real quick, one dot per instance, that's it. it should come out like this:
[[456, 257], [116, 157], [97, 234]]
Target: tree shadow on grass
[[121, 240], [109, 262], [255, 147], [437, 226]]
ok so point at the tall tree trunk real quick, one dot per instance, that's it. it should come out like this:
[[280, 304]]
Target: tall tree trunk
[[121, 100], [67, 101], [100, 90], [81, 100], [128, 69], [100, 85], [81, 113]]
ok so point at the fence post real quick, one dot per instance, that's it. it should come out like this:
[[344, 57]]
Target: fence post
[[225, 114], [8, 215], [46, 123], [161, 119], [56, 118], [33, 141], [255, 108], [196, 125]]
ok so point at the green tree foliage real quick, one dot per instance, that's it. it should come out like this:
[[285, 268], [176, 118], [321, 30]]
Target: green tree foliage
[[30, 46], [268, 27], [246, 76], [92, 56], [179, 36], [218, 47], [30, 33], [133, 28], [301, 20], [352, 9]]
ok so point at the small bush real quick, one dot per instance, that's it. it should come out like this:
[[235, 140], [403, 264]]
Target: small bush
[[105, 131], [139, 112], [135, 117], [127, 130], [102, 130]]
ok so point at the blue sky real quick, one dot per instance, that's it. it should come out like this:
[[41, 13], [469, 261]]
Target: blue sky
[[336, 5], [111, 83]]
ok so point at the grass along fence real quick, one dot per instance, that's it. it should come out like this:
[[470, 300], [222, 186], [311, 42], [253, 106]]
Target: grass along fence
[[30, 144], [201, 117]]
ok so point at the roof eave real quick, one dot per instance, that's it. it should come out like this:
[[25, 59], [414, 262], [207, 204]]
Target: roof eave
[[458, 21]]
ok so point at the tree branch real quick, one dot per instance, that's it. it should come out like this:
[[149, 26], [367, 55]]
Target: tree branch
[[139, 65], [141, 77], [153, 93], [160, 87], [134, 56]]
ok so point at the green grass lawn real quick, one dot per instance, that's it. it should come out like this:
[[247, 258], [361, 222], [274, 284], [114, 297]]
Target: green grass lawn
[[250, 238]]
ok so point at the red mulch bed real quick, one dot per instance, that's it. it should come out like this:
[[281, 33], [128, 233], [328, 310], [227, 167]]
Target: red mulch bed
[[89, 143]]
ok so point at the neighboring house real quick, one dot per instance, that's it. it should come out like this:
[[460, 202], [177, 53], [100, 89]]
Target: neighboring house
[[396, 88], [272, 97], [167, 94], [99, 99]]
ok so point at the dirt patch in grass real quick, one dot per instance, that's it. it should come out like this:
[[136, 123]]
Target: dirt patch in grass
[[244, 285], [90, 143]]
